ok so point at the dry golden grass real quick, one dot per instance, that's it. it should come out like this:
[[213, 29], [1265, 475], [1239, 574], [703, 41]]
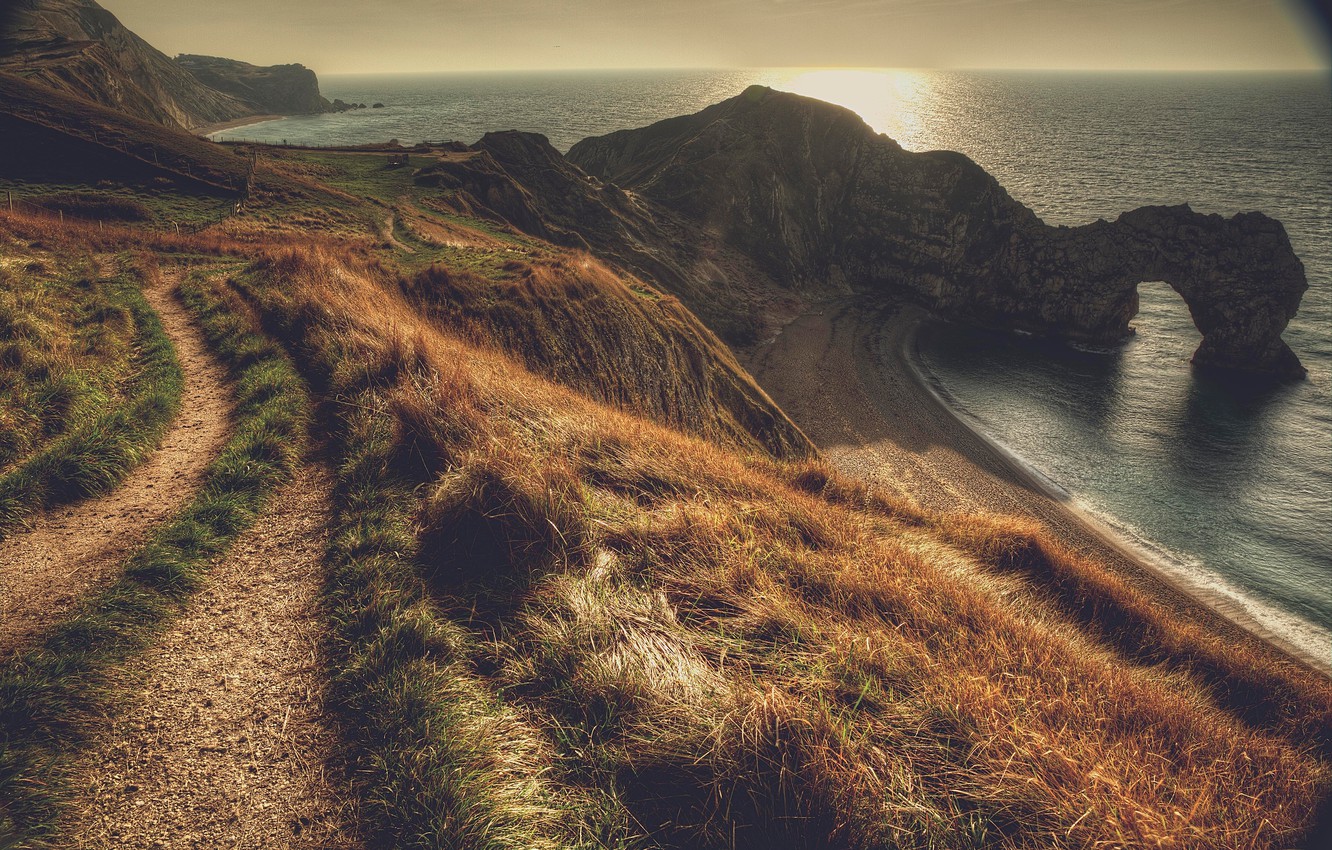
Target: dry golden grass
[[239, 236], [571, 318], [674, 644]]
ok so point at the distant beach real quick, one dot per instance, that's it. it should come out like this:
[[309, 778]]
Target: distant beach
[[846, 376], [213, 129]]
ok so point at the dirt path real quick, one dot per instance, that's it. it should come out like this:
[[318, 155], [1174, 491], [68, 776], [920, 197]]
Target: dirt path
[[68, 552], [390, 237], [840, 372], [226, 743]]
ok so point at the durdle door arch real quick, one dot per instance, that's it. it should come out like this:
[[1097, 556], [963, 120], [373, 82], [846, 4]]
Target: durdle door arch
[[1239, 277]]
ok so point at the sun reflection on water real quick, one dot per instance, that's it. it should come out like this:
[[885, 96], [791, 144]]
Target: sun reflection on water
[[891, 101]]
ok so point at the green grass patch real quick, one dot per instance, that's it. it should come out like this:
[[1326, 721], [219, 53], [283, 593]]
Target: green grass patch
[[365, 175], [47, 694], [90, 419], [159, 205], [440, 756]]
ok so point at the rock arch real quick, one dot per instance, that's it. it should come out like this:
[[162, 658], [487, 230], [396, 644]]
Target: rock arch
[[1239, 277], [822, 203]]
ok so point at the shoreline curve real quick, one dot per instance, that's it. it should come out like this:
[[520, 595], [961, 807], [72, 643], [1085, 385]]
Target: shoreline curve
[[209, 130], [1203, 586], [845, 372]]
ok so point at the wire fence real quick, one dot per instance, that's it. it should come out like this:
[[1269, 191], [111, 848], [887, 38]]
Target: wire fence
[[146, 153], [51, 209]]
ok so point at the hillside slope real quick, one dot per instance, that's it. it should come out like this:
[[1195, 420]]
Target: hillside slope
[[575, 595], [77, 47], [581, 623], [51, 133], [519, 178]]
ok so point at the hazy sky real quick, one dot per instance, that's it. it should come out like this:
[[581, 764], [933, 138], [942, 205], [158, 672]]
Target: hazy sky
[[336, 36]]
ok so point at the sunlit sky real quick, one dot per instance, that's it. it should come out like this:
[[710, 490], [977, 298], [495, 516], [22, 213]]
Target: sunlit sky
[[370, 36]]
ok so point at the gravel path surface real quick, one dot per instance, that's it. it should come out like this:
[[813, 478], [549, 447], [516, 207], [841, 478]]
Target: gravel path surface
[[227, 743], [65, 554]]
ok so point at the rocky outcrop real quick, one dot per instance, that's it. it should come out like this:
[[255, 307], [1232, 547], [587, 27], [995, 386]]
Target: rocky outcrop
[[280, 89], [77, 47], [822, 203], [1239, 277]]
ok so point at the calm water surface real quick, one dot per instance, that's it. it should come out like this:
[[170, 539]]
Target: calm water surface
[[1231, 483]]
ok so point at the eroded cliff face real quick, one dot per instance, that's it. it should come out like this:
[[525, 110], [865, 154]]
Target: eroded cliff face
[[822, 203], [77, 47], [281, 89]]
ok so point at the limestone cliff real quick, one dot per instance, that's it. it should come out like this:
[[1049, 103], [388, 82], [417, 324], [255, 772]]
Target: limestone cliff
[[821, 202], [77, 47], [281, 89]]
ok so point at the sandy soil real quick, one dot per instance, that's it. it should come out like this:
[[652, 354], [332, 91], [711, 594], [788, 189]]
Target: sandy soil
[[65, 554], [842, 372], [227, 743]]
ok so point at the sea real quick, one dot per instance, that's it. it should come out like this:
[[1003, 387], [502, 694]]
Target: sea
[[1227, 484]]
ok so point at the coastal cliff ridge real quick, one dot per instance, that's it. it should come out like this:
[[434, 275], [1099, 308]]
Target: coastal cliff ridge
[[821, 202]]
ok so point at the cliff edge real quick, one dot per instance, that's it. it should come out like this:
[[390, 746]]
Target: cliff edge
[[822, 202], [79, 48], [286, 89]]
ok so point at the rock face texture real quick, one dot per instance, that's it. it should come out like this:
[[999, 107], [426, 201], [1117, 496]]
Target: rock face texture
[[286, 89], [821, 202], [77, 47], [1239, 277]]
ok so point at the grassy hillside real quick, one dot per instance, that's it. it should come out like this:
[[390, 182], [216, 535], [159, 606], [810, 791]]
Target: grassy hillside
[[88, 381], [562, 621], [138, 145], [590, 588], [613, 338]]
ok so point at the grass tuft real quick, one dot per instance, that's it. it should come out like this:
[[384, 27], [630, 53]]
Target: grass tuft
[[47, 694], [95, 439]]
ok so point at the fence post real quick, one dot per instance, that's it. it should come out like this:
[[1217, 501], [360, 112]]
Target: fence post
[[9, 196], [62, 216]]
